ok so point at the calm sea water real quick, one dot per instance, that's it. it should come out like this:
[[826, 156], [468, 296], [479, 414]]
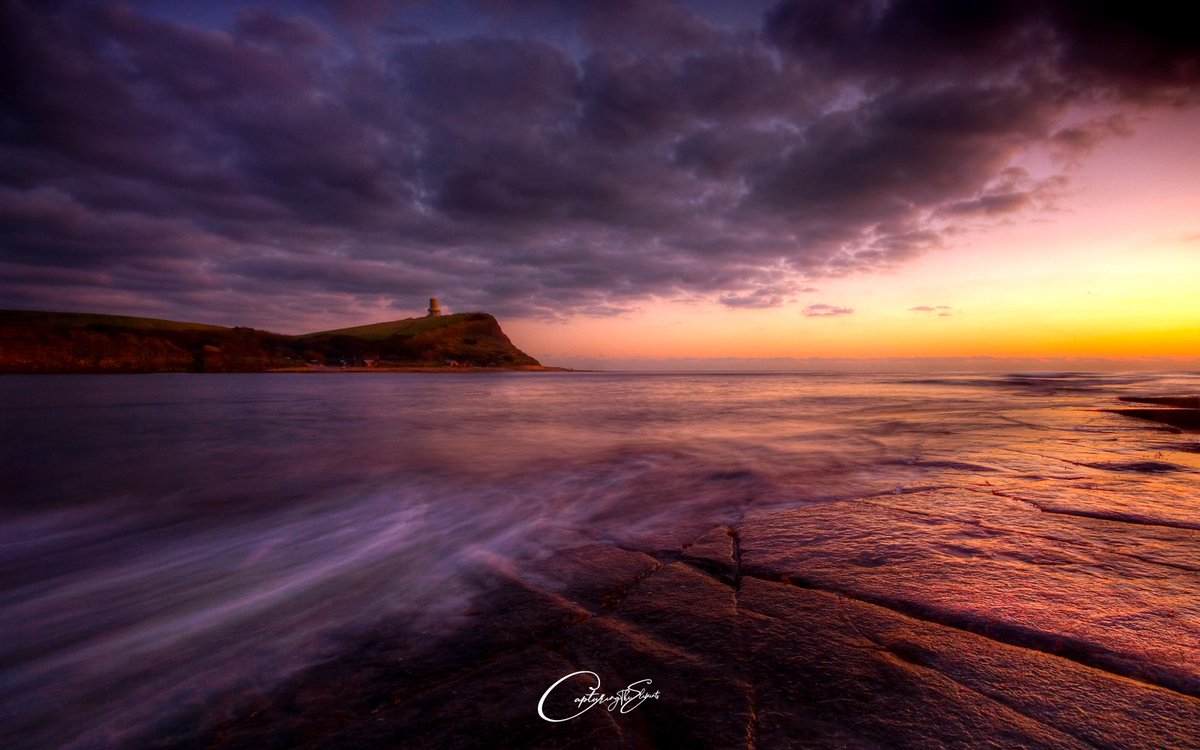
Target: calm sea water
[[167, 539]]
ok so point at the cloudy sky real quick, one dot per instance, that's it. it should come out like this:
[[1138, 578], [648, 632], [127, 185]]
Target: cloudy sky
[[627, 180]]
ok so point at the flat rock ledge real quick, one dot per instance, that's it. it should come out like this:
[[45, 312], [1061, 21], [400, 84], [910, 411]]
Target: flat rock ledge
[[936, 619], [1179, 412]]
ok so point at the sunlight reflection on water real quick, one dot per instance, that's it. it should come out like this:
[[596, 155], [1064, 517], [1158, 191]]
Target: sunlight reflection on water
[[165, 538]]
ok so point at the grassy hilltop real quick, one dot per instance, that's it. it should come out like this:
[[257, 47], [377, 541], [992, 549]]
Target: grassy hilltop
[[32, 342]]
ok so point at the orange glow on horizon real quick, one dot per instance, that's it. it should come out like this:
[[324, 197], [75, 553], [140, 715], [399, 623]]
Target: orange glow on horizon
[[1113, 273]]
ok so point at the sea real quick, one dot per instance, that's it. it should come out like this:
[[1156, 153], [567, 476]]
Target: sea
[[169, 540]]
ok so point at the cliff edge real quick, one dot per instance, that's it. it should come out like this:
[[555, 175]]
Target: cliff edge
[[49, 342]]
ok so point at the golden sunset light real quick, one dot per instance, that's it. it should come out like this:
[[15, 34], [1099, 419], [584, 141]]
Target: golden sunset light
[[599, 374]]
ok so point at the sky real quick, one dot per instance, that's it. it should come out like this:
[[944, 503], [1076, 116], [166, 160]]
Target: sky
[[647, 184]]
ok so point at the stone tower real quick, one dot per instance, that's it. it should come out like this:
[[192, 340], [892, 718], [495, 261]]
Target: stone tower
[[434, 310]]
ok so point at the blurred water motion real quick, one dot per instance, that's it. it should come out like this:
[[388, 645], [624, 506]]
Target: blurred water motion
[[167, 540]]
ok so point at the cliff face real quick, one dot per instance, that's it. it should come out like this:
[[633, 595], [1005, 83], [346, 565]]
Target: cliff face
[[474, 339], [32, 342]]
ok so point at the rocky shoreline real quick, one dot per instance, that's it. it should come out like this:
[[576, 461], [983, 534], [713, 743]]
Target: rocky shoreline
[[34, 342], [329, 369], [1182, 412], [936, 617]]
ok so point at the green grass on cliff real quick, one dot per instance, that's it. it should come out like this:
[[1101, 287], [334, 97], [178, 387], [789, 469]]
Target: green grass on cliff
[[80, 342], [406, 327], [84, 320]]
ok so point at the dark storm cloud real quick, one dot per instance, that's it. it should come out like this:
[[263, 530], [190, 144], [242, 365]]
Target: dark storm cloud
[[554, 157], [1146, 51], [1011, 192], [1077, 141]]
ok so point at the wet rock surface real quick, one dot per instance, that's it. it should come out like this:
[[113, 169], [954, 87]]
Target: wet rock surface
[[1183, 419], [1178, 412], [937, 618], [1180, 402], [789, 563]]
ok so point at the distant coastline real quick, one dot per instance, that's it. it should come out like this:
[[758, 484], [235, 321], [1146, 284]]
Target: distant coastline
[[440, 369], [36, 342]]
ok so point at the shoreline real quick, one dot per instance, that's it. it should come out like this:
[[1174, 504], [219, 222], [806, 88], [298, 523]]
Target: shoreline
[[419, 369], [463, 555], [751, 638], [311, 369]]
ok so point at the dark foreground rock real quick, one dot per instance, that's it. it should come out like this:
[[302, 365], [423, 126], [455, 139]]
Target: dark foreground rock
[[1179, 402], [934, 619], [1180, 412]]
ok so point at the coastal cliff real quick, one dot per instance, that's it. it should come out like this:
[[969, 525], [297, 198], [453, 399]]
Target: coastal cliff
[[51, 342]]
